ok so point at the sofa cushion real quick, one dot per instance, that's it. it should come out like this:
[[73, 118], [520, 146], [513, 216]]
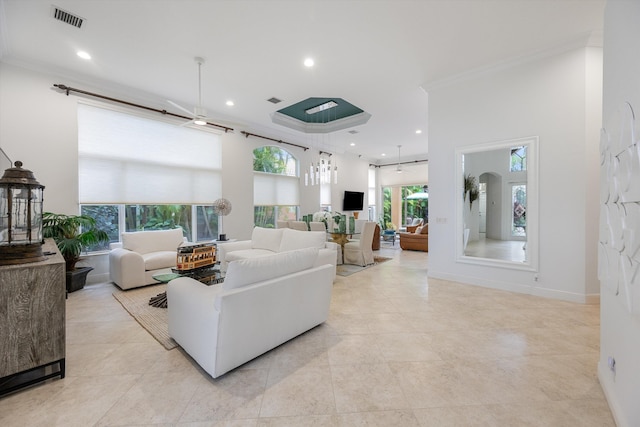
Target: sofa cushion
[[144, 242], [295, 239], [246, 254], [425, 229], [247, 271], [266, 238], [418, 230], [160, 259]]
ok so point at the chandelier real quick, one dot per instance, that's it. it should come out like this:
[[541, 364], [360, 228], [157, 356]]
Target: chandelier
[[322, 172]]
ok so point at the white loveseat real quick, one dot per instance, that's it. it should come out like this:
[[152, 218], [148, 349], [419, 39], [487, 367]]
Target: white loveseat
[[269, 241], [263, 302], [142, 254]]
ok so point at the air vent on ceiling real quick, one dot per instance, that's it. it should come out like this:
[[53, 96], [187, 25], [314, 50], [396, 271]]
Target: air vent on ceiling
[[353, 132], [66, 17], [274, 100]]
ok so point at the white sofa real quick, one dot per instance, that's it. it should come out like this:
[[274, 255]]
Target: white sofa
[[142, 254], [263, 302], [269, 241]]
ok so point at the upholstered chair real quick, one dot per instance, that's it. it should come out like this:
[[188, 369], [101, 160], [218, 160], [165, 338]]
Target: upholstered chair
[[416, 241], [359, 251], [298, 225], [317, 226], [282, 224]]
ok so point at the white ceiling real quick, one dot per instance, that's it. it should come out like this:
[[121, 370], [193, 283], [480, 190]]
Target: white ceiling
[[377, 55]]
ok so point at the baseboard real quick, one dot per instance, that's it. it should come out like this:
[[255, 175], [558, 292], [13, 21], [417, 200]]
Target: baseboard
[[515, 287], [606, 382], [92, 279]]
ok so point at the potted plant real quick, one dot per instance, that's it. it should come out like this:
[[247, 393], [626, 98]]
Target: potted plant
[[72, 234]]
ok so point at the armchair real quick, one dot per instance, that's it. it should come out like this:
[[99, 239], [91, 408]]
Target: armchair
[[417, 241], [143, 254]]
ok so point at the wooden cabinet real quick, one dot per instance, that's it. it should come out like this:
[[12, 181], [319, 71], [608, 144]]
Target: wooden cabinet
[[32, 320]]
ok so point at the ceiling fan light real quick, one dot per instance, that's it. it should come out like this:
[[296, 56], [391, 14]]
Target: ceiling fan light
[[200, 122]]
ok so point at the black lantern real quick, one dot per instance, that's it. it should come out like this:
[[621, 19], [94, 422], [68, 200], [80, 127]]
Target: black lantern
[[21, 197]]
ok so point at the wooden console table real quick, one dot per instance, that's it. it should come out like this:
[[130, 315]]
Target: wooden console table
[[32, 315]]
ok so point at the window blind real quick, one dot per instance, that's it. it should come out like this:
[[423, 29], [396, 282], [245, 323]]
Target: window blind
[[127, 159], [275, 190]]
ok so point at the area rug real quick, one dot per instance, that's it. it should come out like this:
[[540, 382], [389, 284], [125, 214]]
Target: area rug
[[349, 269], [153, 319]]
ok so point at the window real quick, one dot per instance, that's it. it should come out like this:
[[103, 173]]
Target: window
[[415, 203], [518, 159], [136, 173], [371, 195], [275, 186], [519, 211]]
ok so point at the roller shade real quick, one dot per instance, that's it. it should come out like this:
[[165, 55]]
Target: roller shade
[[275, 190], [127, 159]]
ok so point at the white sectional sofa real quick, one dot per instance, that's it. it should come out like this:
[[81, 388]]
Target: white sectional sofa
[[142, 254], [269, 241], [263, 302]]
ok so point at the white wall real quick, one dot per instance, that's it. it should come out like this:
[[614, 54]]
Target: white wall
[[619, 329], [38, 126], [545, 98]]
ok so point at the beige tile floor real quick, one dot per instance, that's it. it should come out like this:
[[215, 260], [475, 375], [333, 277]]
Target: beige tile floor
[[398, 350]]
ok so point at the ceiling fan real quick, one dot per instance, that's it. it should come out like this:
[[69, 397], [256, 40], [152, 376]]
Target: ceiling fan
[[199, 114]]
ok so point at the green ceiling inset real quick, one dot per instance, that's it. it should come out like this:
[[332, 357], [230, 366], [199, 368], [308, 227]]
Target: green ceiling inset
[[298, 110]]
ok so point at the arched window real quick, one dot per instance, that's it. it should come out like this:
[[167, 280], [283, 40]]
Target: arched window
[[275, 186]]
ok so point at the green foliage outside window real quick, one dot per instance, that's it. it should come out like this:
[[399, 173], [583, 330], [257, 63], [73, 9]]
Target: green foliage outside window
[[277, 161], [271, 159]]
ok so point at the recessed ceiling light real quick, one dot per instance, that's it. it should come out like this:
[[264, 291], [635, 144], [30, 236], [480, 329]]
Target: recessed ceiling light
[[308, 62], [353, 144], [419, 131], [383, 154], [230, 103], [84, 55]]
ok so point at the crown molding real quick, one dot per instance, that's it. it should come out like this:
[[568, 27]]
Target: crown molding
[[589, 39]]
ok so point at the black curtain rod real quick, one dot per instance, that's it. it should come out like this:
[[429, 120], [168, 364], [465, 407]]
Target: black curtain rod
[[400, 163], [68, 89], [248, 134]]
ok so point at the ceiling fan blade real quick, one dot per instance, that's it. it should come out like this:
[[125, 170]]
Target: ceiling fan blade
[[187, 123], [181, 108]]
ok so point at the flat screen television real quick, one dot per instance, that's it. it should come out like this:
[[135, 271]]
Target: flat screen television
[[353, 201]]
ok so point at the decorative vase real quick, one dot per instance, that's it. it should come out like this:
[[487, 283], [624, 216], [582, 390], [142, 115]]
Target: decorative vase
[[352, 224], [77, 278], [342, 227]]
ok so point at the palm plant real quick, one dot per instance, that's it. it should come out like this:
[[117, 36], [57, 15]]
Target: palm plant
[[72, 234]]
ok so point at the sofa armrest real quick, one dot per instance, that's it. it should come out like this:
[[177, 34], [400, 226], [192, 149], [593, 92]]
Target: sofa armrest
[[115, 245], [224, 248], [193, 318], [126, 268]]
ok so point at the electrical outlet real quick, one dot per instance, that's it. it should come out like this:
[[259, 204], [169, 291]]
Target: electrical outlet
[[536, 278], [611, 362]]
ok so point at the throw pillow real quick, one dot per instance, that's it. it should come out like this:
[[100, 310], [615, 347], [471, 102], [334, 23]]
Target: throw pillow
[[266, 238], [425, 229], [418, 230], [296, 239], [247, 271], [144, 242]]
